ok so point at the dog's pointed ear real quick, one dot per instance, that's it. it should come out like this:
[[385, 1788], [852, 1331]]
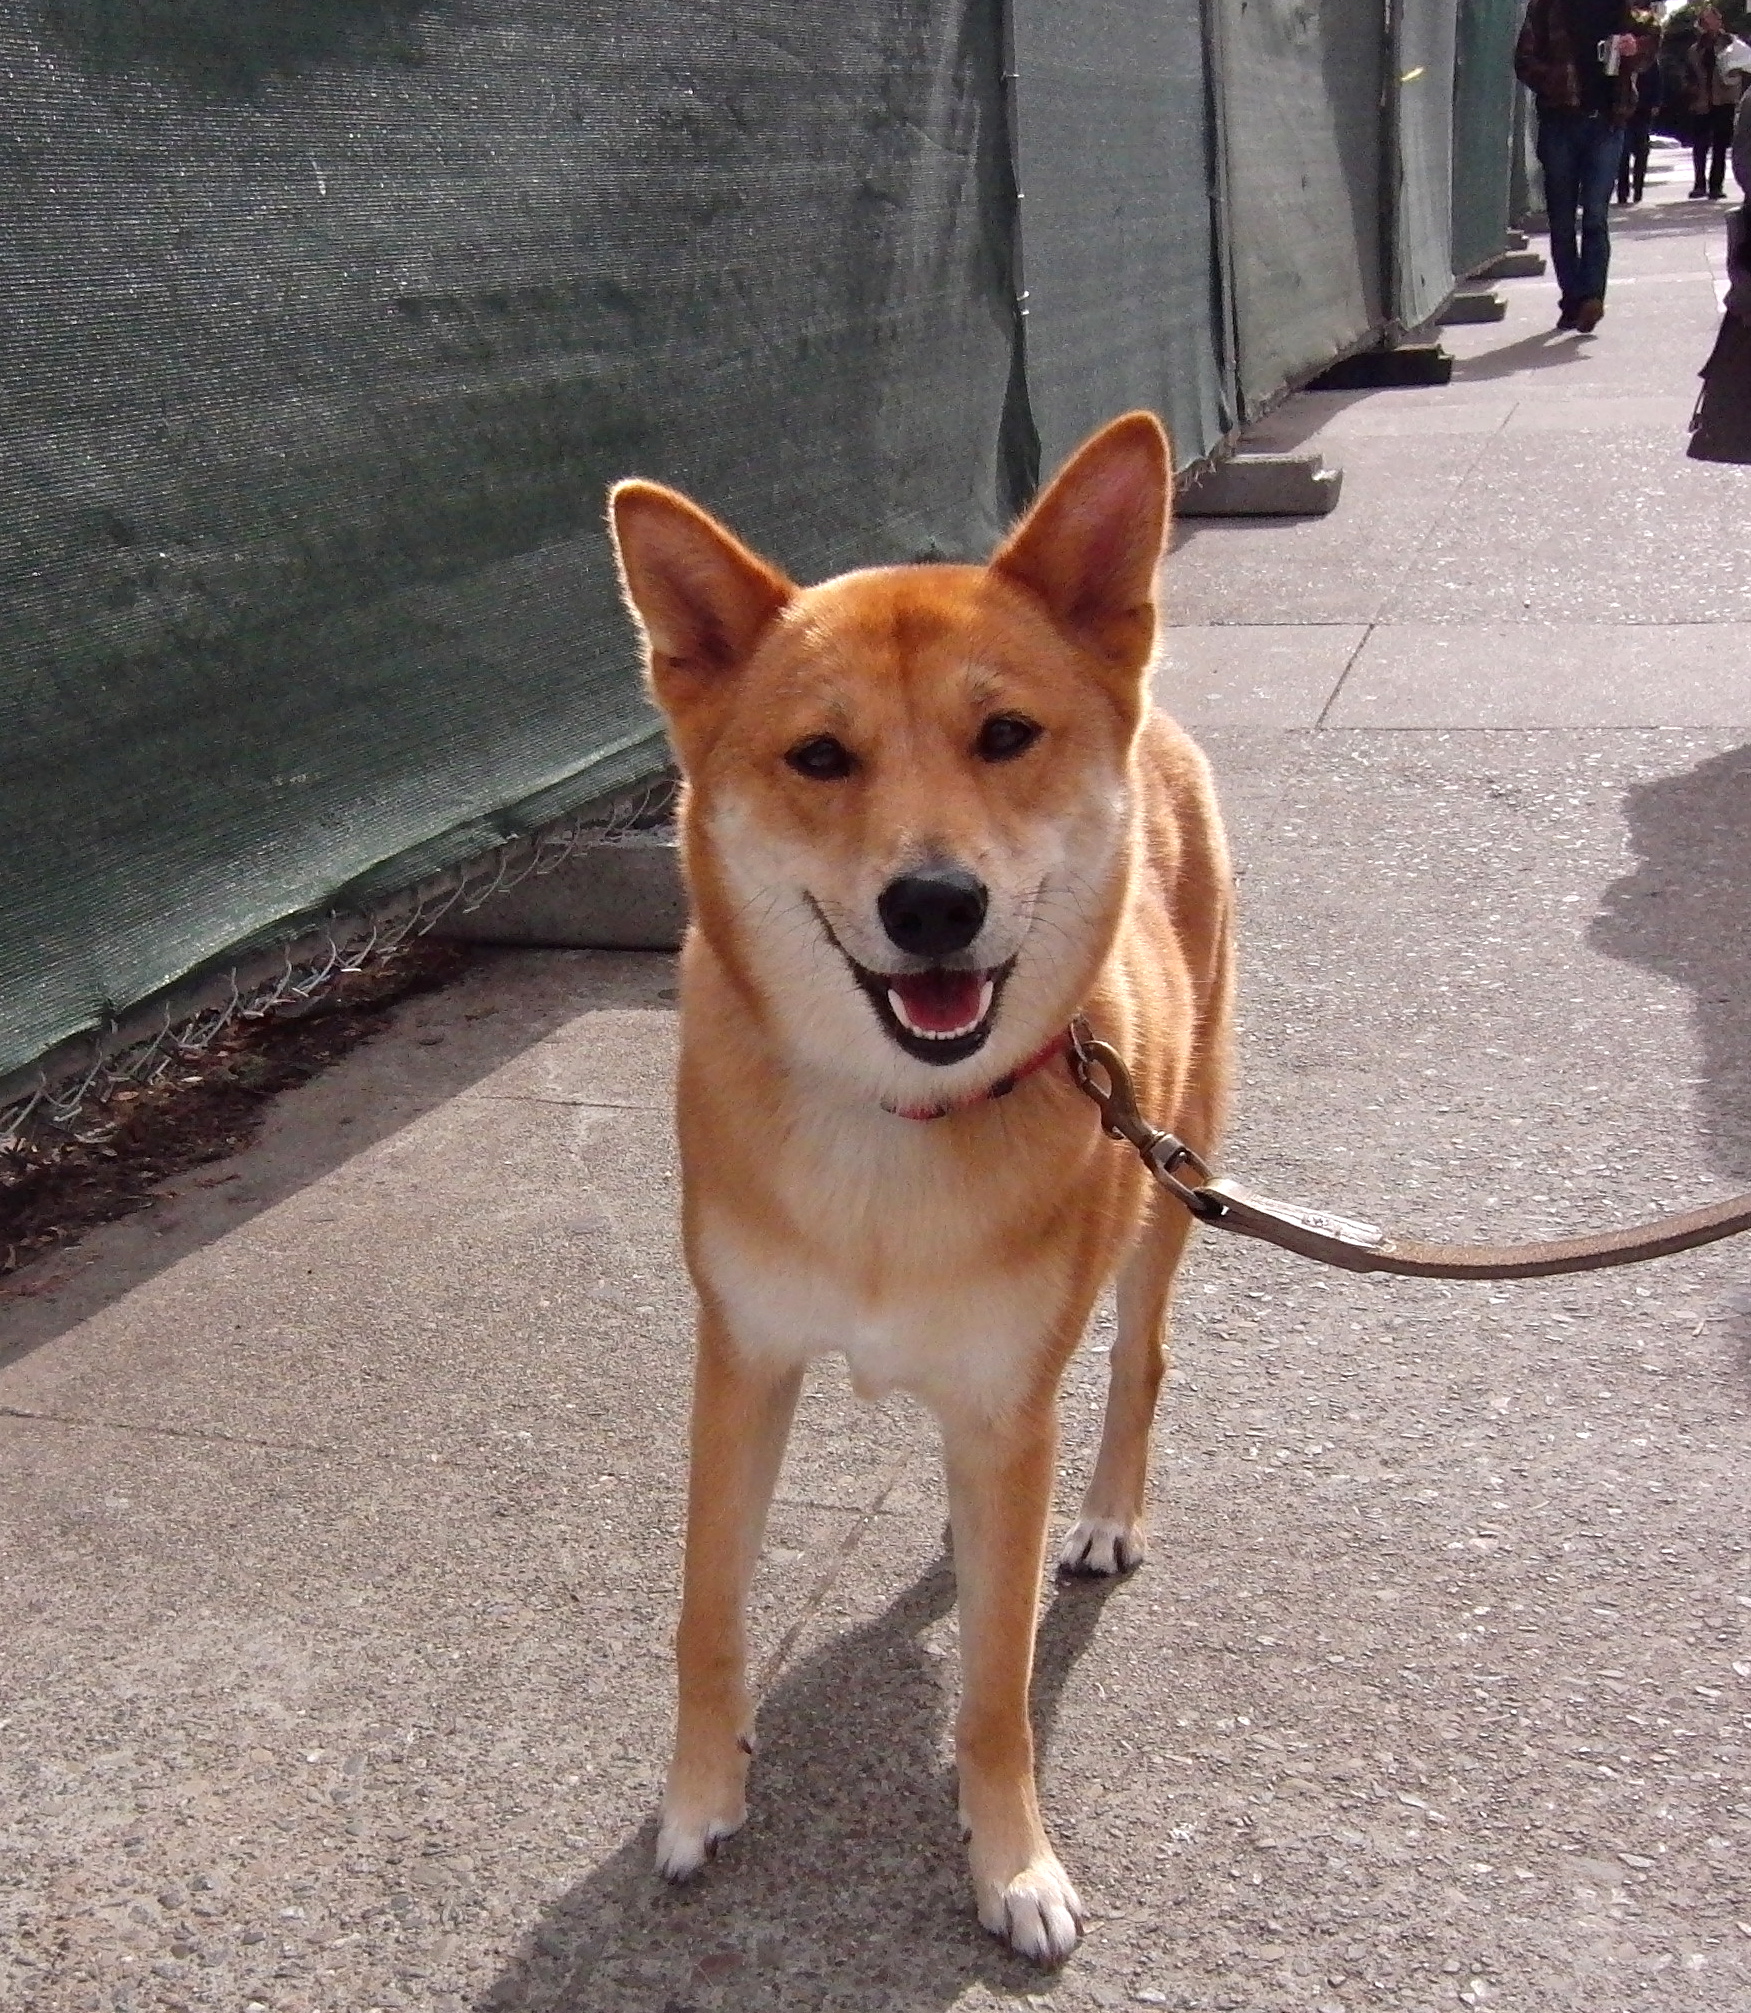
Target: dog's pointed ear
[[1090, 546], [700, 598]]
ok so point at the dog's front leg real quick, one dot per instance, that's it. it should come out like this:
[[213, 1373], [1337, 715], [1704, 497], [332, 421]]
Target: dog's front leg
[[742, 1409], [1000, 1493], [1108, 1536]]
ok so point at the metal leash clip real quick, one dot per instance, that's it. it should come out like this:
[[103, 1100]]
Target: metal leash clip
[[1121, 1119]]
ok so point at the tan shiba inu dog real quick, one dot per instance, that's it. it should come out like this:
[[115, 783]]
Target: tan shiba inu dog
[[929, 817]]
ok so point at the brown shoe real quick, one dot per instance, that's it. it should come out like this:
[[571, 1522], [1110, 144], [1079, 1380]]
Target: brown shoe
[[1589, 315]]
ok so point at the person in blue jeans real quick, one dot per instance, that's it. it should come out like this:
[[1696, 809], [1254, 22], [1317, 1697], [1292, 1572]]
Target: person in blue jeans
[[1638, 136], [1580, 60]]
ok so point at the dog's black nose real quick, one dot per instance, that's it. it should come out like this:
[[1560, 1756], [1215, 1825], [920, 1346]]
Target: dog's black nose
[[929, 915]]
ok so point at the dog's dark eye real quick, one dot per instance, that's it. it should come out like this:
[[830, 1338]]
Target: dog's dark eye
[[821, 759], [1004, 736]]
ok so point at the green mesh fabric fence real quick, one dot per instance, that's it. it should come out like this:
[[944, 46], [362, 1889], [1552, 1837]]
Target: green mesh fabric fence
[[1484, 130], [1422, 70], [1118, 169], [324, 323], [1302, 100]]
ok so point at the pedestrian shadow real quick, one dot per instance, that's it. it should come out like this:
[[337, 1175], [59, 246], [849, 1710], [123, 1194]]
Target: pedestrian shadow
[[1548, 348], [230, 48], [1669, 220], [1685, 912], [849, 1884]]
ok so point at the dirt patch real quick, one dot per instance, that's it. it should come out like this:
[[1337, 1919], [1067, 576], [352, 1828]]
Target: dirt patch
[[207, 1107]]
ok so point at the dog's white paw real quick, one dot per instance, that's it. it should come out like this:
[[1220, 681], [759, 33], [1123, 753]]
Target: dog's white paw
[[1038, 1914], [1102, 1546], [687, 1838]]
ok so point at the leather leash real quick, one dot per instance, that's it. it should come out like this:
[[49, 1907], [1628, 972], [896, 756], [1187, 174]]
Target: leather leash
[[1364, 1247]]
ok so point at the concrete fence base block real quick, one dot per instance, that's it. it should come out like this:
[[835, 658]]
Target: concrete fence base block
[[622, 895], [1517, 241], [1473, 306], [1263, 485], [1515, 266], [1409, 364]]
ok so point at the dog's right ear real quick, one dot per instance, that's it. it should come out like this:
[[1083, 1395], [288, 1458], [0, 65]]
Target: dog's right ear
[[1090, 546], [700, 598]]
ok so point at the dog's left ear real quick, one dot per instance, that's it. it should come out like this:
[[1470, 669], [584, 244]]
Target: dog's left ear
[[1090, 546], [701, 599]]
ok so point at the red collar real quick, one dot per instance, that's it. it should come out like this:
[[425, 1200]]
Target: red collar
[[1057, 1046]]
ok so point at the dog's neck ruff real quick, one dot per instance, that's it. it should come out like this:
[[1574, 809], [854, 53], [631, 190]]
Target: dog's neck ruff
[[1057, 1046]]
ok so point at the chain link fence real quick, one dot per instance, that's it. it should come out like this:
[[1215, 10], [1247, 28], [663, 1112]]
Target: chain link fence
[[71, 1099]]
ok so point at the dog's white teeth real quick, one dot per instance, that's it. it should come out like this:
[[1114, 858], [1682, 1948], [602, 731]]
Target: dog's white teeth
[[986, 992], [907, 1022]]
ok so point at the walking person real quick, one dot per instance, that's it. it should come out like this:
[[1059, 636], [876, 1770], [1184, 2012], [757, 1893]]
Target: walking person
[[1580, 60], [1720, 427], [1714, 98], [1638, 135]]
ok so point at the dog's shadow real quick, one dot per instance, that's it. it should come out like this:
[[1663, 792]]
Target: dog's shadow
[[850, 1870]]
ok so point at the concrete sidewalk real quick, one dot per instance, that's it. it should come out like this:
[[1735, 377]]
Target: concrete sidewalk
[[340, 1493]]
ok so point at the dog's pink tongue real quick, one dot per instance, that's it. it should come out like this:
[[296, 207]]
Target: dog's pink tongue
[[939, 1002]]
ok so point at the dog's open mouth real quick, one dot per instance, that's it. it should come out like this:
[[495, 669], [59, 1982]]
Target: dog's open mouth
[[939, 1016], [940, 1006]]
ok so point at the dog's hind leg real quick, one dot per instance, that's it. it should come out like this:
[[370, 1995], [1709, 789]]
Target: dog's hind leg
[[741, 1418], [1000, 1496], [1108, 1536]]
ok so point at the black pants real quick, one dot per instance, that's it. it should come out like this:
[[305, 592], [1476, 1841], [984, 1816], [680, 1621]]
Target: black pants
[[1708, 147], [1632, 172]]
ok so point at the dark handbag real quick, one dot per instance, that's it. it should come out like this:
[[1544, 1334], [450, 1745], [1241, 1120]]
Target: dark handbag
[[1720, 427]]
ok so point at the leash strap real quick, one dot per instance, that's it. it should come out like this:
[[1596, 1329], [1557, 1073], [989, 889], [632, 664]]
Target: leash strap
[[1365, 1247], [1362, 1247]]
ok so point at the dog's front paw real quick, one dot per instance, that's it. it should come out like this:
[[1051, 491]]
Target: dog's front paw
[[1101, 1546], [695, 1822], [1038, 1913]]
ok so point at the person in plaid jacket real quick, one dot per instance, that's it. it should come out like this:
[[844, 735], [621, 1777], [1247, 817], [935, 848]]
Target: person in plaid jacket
[[1580, 59]]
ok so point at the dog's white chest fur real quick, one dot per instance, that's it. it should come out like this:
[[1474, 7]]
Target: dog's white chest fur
[[892, 1280]]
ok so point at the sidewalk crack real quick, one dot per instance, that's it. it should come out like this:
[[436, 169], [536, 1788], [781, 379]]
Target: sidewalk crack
[[1344, 675], [576, 1103], [206, 1437], [1379, 620], [828, 1578]]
